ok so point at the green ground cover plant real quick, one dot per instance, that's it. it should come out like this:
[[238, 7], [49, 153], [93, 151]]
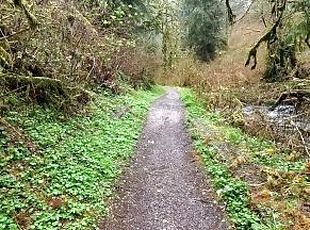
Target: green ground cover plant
[[65, 184], [262, 187]]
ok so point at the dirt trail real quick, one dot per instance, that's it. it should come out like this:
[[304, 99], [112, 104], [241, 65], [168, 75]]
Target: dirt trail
[[164, 189]]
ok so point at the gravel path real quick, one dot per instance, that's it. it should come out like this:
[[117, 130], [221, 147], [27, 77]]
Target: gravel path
[[164, 188]]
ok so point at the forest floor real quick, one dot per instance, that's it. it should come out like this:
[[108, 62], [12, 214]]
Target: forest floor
[[66, 180], [165, 188], [262, 186], [191, 169]]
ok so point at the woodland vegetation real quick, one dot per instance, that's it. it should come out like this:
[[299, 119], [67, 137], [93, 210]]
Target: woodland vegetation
[[61, 60]]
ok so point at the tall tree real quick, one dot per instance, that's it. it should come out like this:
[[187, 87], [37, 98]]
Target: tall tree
[[204, 24]]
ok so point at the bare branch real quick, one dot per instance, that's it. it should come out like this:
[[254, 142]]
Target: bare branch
[[246, 12], [301, 138], [231, 16]]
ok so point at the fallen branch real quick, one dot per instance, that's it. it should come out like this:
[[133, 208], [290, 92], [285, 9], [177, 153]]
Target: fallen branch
[[300, 95], [37, 81], [31, 79], [65, 90]]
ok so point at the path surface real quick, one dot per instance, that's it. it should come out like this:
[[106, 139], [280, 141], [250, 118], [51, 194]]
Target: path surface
[[164, 189]]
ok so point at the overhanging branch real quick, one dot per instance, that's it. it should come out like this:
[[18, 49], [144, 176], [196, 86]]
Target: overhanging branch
[[269, 37]]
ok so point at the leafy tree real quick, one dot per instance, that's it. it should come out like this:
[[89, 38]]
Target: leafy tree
[[204, 27]]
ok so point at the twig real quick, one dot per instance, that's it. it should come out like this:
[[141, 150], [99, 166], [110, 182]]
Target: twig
[[246, 12], [13, 34], [301, 137], [92, 69]]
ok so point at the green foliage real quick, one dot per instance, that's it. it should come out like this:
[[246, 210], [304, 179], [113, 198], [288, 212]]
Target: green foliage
[[79, 45], [233, 191], [119, 15], [289, 33], [204, 27], [67, 183]]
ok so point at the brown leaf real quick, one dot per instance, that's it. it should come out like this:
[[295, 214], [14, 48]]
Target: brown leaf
[[23, 220], [56, 203]]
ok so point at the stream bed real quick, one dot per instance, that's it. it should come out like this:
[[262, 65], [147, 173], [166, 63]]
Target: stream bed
[[283, 119]]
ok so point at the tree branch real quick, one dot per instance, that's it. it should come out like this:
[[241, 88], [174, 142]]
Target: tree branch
[[246, 12], [231, 16], [269, 37], [307, 40]]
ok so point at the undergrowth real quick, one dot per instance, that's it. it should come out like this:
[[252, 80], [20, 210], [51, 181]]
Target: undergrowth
[[261, 186], [227, 86], [60, 50], [66, 183]]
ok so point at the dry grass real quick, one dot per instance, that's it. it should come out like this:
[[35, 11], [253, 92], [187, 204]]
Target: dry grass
[[226, 85], [225, 81]]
